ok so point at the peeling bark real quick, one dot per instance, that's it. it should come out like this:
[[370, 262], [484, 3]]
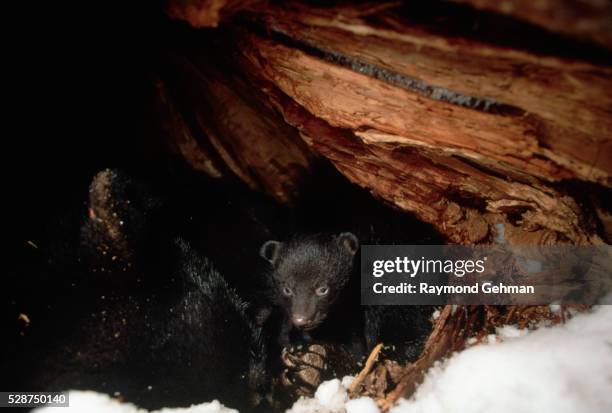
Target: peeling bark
[[551, 103], [477, 138], [432, 158]]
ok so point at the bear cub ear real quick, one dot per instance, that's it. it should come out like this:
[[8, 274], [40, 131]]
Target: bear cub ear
[[349, 241], [269, 251]]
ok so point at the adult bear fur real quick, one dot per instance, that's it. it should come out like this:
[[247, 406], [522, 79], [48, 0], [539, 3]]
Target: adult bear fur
[[186, 341], [130, 220], [167, 332]]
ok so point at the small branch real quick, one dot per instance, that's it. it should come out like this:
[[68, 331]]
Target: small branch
[[448, 333], [366, 369]]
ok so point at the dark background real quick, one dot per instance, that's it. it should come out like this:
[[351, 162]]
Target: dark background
[[79, 99]]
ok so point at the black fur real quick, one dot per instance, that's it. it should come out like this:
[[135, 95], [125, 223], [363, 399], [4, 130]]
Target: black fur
[[304, 264], [403, 330], [119, 215], [186, 341], [162, 329], [307, 277]]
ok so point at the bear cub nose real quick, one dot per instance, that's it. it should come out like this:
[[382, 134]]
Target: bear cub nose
[[300, 320]]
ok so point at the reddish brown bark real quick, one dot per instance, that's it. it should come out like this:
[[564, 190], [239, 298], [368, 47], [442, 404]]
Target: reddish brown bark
[[475, 137]]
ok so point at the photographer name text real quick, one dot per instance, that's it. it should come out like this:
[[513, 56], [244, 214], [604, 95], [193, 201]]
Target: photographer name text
[[477, 288]]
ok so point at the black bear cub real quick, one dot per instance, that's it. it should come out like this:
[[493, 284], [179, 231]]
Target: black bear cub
[[308, 277], [314, 280]]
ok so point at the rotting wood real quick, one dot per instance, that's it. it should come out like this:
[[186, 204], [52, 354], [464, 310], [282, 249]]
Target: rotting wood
[[247, 138], [366, 368], [475, 138]]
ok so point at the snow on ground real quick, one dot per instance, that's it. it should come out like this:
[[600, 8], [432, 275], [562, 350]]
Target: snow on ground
[[92, 402], [562, 369], [566, 368], [332, 397]]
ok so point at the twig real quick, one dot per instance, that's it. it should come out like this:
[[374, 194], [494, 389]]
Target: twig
[[510, 314], [366, 369], [438, 344]]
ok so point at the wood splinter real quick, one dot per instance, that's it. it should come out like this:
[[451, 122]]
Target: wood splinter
[[372, 358]]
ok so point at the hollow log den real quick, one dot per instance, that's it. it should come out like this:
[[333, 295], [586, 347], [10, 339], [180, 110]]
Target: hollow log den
[[311, 207]]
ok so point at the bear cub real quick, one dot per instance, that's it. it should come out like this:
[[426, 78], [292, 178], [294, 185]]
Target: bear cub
[[307, 278], [315, 282]]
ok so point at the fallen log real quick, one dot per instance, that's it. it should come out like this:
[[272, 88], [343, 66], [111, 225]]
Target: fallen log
[[484, 140]]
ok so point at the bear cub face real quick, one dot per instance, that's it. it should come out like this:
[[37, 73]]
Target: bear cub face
[[308, 273]]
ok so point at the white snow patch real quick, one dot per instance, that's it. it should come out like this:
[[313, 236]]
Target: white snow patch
[[565, 368], [346, 381], [510, 332], [492, 339], [332, 394], [555, 308], [211, 407], [92, 402], [361, 405], [306, 405], [330, 397]]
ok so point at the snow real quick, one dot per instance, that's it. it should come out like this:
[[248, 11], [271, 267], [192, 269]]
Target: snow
[[332, 397], [92, 402], [347, 380], [361, 405], [555, 308], [564, 368], [508, 332]]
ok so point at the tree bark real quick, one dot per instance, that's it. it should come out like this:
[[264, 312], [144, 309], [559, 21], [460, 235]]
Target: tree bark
[[485, 136]]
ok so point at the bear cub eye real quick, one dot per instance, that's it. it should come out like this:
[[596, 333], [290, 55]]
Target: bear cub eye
[[287, 291], [321, 291]]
